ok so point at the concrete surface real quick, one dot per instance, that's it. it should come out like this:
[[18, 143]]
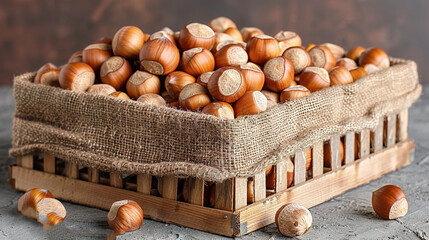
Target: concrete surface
[[349, 216]]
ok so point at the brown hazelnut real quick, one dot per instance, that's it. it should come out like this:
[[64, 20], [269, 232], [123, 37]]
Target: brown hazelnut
[[314, 78], [262, 48], [358, 73], [340, 76], [252, 102], [77, 76], [231, 55], [141, 83], [196, 61], [375, 56], [159, 56], [322, 57], [95, 54], [355, 53], [152, 99], [253, 76], [101, 89], [279, 73], [127, 42], [76, 57], [203, 79], [299, 57], [346, 62], [249, 32], [115, 71], [196, 35], [120, 95], [175, 82], [294, 92], [220, 24], [227, 84], [389, 202], [48, 74], [194, 97], [288, 39], [221, 110], [336, 50], [234, 33]]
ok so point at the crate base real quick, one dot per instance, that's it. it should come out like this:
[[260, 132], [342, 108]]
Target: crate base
[[240, 222]]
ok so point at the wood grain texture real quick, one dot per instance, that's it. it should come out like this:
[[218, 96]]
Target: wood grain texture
[[349, 147], [240, 196], [196, 191], [317, 159], [260, 186], [49, 163], [144, 183], [299, 164], [71, 170], [224, 195], [41, 31]]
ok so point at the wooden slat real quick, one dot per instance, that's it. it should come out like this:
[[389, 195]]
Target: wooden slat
[[402, 130], [364, 143], [335, 152], [169, 187], [333, 183], [240, 194], [224, 195], [260, 186], [317, 159], [349, 147], [26, 161], [281, 176], [378, 136], [48, 163], [144, 183], [116, 180], [93, 175], [300, 173], [196, 191], [391, 130], [102, 196], [71, 170]]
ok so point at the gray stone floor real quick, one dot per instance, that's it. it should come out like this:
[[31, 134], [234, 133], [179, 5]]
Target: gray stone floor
[[349, 216]]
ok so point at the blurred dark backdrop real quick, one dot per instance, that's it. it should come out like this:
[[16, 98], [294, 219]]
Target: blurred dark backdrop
[[33, 32]]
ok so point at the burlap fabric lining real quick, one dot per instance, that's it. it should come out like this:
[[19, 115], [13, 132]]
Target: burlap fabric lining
[[127, 136]]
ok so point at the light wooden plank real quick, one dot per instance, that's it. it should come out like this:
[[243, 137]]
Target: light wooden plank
[[391, 130], [335, 152], [116, 180], [93, 175], [333, 183], [102, 196], [402, 125], [169, 187], [26, 161], [71, 170], [317, 159], [144, 183], [224, 195], [378, 136], [281, 176], [260, 186], [349, 147], [196, 191], [240, 194], [364, 143], [48, 163], [300, 162]]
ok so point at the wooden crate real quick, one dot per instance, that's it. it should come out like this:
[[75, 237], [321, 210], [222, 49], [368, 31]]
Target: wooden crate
[[382, 151]]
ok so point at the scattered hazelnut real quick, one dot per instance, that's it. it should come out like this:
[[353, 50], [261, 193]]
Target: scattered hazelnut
[[115, 71], [249, 32], [162, 34], [299, 57], [101, 89], [196, 61], [279, 73], [234, 33], [314, 78], [225, 43], [293, 220], [358, 73], [252, 102], [141, 83], [196, 35], [159, 56], [322, 57], [375, 56], [227, 84], [220, 24], [127, 42], [346, 62], [355, 53], [203, 79], [231, 55], [152, 99], [221, 110], [253, 76], [336, 50], [340, 76], [194, 97], [95, 54], [76, 57], [48, 74], [77, 76], [294, 92], [220, 37], [389, 202], [288, 39], [175, 81], [262, 48], [124, 216]]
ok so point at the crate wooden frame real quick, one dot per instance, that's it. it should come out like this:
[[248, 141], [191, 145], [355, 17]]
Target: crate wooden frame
[[379, 152]]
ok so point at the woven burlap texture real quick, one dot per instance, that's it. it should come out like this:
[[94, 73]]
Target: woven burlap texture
[[120, 135]]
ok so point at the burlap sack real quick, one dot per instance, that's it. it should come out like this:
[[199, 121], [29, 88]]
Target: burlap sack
[[120, 135]]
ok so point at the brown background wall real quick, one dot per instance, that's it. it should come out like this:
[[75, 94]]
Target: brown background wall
[[33, 32]]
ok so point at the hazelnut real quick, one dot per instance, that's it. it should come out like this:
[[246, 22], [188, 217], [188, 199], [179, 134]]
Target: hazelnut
[[262, 48], [203, 79], [101, 89], [234, 33], [249, 32], [127, 42], [220, 37], [253, 76], [162, 34], [358, 73], [389, 202], [355, 53], [279, 73], [175, 82], [196, 61], [159, 56], [124, 216], [120, 95], [225, 43], [314, 78], [294, 92], [340, 76], [105, 40], [196, 35], [95, 54], [336, 50], [346, 62], [299, 57], [220, 24], [48, 74], [76, 57], [194, 97], [293, 220], [252, 102], [115, 71], [77, 76], [322, 57], [231, 55], [152, 99], [141, 83], [375, 56], [227, 84], [288, 39], [221, 110]]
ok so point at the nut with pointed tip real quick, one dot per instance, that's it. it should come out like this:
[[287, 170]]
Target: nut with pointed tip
[[253, 76], [76, 57], [389, 202], [120, 95], [346, 62], [127, 42], [279, 73], [227, 84], [294, 92], [336, 50], [248, 32], [196, 35], [262, 48], [194, 97], [159, 56], [371, 68], [271, 177], [175, 81], [375, 56], [115, 71], [355, 53], [252, 102], [95, 54], [196, 61], [125, 216], [234, 33], [220, 24], [101, 89], [221, 110], [77, 76], [358, 73], [152, 99], [293, 220], [161, 34], [314, 78], [322, 57], [231, 55], [48, 74], [288, 39], [340, 76], [299, 57], [203, 79], [141, 83], [327, 154]]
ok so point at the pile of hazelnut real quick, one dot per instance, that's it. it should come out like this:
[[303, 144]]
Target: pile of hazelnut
[[214, 69]]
